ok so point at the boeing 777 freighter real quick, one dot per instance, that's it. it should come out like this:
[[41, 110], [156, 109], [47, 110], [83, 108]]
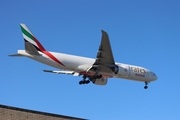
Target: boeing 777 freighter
[[96, 70]]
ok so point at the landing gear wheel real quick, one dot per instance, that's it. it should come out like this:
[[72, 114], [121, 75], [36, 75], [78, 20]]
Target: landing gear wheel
[[84, 82], [80, 82], [146, 87], [87, 82]]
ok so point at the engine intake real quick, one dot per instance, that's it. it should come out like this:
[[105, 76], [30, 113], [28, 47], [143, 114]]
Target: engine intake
[[115, 69], [122, 70]]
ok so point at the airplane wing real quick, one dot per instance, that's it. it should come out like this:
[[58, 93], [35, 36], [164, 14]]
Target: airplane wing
[[63, 72], [104, 59], [105, 55]]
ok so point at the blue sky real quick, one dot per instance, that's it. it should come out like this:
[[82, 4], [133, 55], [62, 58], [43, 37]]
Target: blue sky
[[142, 32]]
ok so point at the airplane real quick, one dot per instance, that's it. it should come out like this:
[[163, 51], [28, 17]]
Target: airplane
[[96, 70]]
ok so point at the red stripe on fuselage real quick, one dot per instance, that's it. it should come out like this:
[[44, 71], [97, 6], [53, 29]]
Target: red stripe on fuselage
[[46, 52], [39, 45], [52, 57]]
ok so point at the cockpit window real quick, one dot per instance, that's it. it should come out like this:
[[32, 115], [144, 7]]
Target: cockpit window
[[153, 74]]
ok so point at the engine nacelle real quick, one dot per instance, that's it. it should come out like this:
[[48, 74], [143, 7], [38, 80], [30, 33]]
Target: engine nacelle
[[101, 81], [122, 70]]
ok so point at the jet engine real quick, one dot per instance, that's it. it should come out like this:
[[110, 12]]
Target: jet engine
[[100, 81], [122, 70]]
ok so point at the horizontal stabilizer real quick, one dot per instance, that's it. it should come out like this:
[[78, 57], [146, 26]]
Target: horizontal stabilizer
[[16, 55]]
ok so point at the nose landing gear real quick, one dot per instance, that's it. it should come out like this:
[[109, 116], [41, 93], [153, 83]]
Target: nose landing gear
[[146, 85]]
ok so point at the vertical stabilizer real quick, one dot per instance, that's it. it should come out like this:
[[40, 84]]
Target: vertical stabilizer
[[32, 45]]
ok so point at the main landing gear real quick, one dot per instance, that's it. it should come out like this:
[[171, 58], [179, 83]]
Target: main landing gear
[[146, 85], [84, 81], [91, 79]]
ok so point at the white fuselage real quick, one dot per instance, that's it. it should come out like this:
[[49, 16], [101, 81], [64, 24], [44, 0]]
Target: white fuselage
[[81, 64]]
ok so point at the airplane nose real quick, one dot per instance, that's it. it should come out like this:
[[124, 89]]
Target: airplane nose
[[155, 77]]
